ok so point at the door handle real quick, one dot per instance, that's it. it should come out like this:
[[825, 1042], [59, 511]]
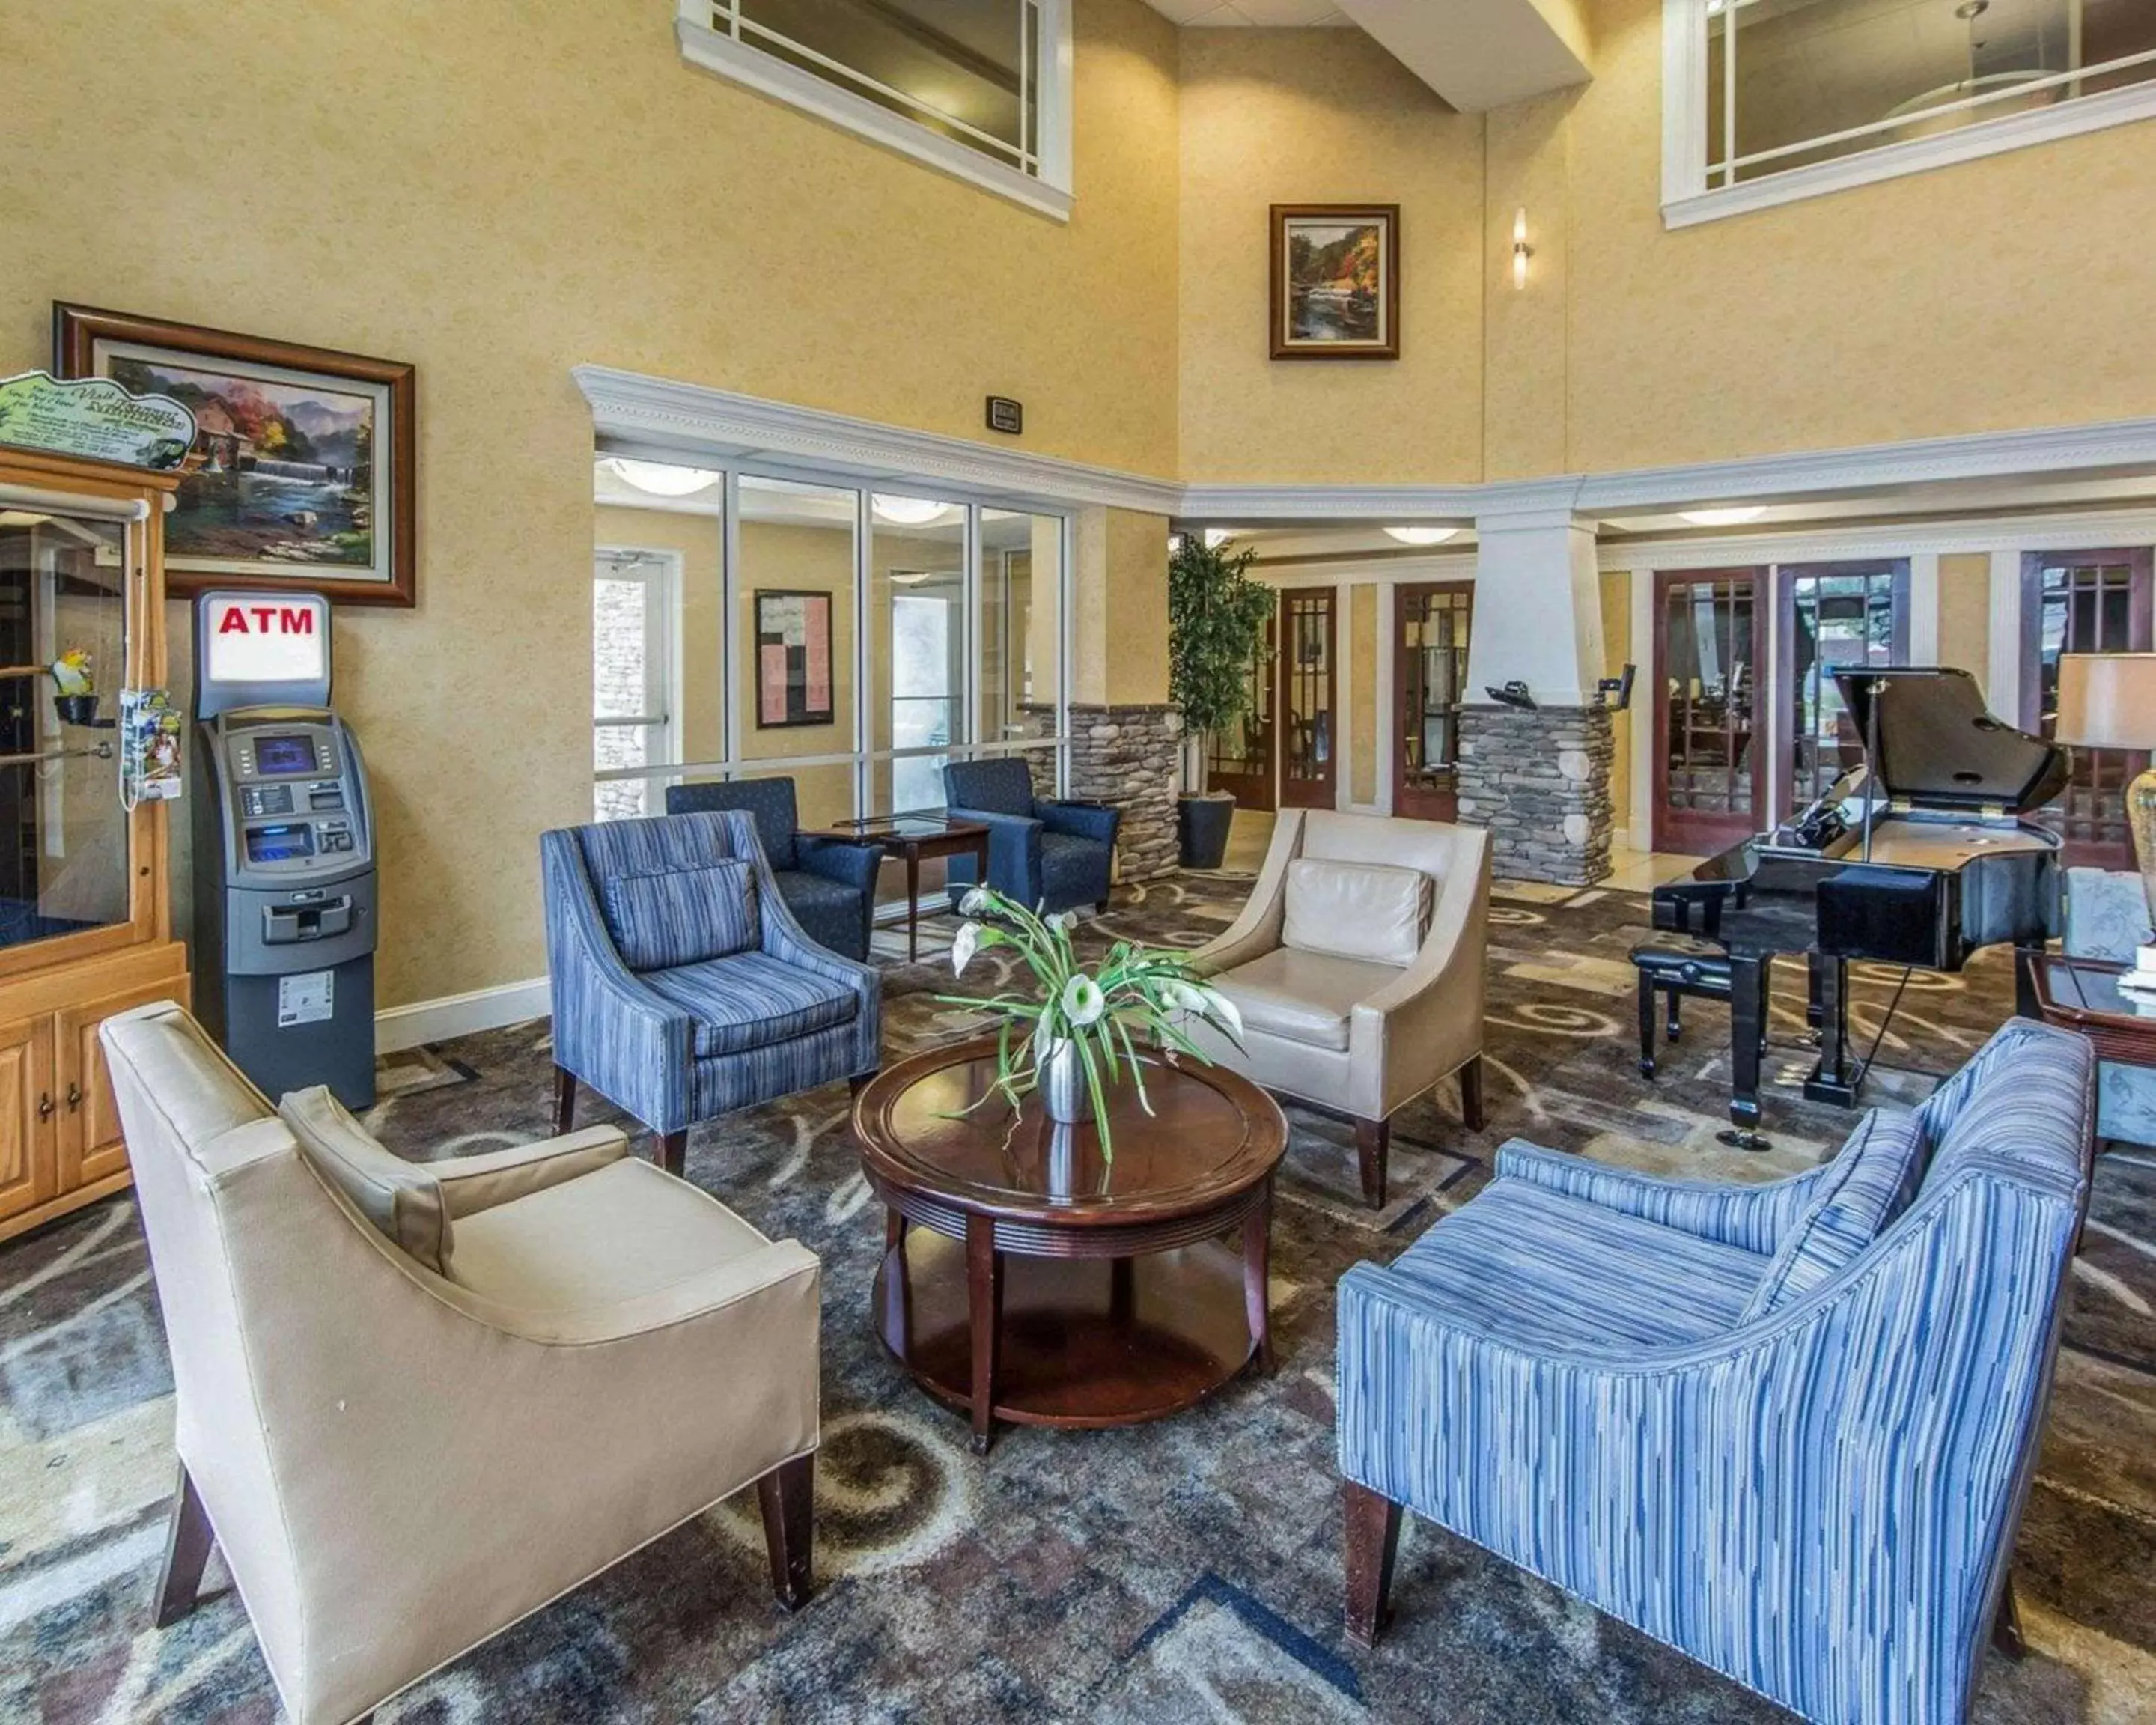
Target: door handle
[[45, 1105], [74, 1095]]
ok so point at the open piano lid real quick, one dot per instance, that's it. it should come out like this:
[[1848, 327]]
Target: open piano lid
[[1939, 748]]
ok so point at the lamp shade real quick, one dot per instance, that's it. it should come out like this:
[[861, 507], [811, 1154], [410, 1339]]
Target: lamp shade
[[2108, 700]]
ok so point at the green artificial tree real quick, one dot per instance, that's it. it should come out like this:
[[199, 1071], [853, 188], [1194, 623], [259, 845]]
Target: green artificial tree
[[1216, 624]]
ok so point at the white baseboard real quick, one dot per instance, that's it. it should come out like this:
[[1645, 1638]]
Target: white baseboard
[[402, 1027]]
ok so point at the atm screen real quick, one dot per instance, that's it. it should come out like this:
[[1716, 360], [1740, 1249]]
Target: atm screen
[[279, 844], [282, 754]]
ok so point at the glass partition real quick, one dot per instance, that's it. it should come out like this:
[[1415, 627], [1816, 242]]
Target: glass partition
[[919, 652]]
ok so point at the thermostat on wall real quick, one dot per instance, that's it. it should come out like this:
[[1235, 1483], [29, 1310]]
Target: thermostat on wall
[[1006, 415]]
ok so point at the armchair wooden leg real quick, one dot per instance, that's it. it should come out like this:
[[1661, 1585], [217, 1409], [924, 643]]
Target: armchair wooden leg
[[2006, 1626], [564, 1099], [1373, 1541], [674, 1152], [1470, 1094], [788, 1495], [188, 1542], [1373, 1138]]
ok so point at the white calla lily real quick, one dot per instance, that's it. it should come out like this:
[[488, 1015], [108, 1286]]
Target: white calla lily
[[962, 948], [1223, 1011], [1083, 1003], [975, 901]]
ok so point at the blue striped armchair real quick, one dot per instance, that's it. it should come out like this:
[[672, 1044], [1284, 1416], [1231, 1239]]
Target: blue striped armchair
[[1787, 1429], [682, 988]]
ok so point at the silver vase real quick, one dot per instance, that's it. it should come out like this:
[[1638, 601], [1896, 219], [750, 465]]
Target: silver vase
[[1063, 1091]]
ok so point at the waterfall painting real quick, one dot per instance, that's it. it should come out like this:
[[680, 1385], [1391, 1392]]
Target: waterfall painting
[[1336, 282], [300, 473]]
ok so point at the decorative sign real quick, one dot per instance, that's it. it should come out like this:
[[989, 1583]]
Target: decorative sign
[[278, 637], [96, 418], [1006, 415]]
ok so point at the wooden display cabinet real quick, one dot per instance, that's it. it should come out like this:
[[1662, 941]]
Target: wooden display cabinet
[[85, 909]]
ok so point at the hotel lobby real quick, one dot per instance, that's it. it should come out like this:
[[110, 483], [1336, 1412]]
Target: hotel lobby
[[1079, 860]]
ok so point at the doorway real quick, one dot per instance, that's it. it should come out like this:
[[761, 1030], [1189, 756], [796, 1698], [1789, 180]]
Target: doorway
[[1430, 623], [2084, 602], [1239, 755], [1835, 617], [1310, 644], [1710, 639]]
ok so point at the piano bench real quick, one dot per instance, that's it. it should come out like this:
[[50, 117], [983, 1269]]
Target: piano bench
[[1675, 971]]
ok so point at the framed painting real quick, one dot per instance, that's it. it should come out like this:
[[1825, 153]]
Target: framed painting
[[302, 471], [1336, 279], [792, 659]]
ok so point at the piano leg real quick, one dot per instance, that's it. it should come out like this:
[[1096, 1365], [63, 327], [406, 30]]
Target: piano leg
[[1814, 990], [1750, 980], [1837, 1078]]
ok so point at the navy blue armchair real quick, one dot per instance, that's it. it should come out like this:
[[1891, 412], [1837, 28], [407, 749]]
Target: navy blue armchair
[[829, 884], [683, 988], [1041, 853]]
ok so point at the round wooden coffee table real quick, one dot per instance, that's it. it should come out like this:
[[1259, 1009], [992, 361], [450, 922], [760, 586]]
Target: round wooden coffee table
[[1078, 1291]]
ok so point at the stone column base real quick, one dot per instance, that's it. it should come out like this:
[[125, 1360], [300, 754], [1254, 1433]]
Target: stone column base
[[1132, 757], [1540, 781]]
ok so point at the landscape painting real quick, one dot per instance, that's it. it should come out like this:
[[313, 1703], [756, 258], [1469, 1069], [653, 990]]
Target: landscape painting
[[1335, 281], [300, 473]]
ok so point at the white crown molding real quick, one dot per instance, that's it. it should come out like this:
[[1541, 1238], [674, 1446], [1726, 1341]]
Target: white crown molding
[[1797, 542], [691, 419], [1255, 505], [1373, 569], [420, 1021]]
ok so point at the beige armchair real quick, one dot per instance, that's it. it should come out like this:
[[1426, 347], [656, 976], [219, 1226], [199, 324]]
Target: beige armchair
[[1357, 968], [418, 1402]]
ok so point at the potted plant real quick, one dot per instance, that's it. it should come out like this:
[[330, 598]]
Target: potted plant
[[1216, 620], [1084, 1031]]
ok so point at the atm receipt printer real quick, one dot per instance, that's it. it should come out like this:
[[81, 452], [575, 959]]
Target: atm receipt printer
[[284, 851]]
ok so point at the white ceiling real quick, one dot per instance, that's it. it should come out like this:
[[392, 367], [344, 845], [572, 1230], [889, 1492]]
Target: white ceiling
[[1235, 14]]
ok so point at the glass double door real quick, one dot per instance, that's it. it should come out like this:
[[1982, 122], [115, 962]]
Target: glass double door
[[1430, 624], [2084, 602], [1283, 752]]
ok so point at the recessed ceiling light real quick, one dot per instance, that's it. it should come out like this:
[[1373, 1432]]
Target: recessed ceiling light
[[907, 511], [1421, 535], [1734, 515], [1215, 537], [661, 479]]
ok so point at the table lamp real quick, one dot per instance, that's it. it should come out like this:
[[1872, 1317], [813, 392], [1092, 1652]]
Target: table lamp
[[2108, 700]]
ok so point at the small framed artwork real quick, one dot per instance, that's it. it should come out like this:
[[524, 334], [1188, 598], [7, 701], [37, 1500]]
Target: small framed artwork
[[302, 471], [792, 660], [1336, 276]]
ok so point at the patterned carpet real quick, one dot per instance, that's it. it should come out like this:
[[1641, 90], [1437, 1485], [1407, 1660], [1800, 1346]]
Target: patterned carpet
[[1187, 1570]]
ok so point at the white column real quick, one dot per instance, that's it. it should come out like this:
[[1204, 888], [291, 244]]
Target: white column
[[1924, 608], [2002, 686], [1538, 607]]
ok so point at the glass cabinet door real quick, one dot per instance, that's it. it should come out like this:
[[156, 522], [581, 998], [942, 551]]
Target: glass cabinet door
[[64, 837]]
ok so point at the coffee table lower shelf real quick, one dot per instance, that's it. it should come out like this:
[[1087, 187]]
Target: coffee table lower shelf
[[1083, 1342]]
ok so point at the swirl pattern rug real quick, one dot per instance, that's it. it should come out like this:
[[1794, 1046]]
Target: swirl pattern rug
[[1187, 1570]]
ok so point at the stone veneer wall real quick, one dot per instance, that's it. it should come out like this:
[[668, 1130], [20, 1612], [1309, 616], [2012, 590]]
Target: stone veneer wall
[[1540, 781], [1131, 757]]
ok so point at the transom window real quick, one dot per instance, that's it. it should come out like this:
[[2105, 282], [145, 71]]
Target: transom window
[[1790, 97], [979, 88]]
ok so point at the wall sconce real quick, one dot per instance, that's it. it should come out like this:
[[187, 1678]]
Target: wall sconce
[[1522, 251]]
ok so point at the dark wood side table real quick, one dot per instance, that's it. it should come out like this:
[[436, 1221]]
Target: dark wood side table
[[1027, 1278], [2083, 994], [913, 837]]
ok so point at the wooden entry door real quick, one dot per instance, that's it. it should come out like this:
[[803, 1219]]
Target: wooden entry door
[[1239, 757], [2084, 602], [1710, 786], [1431, 622], [1835, 617], [1308, 661]]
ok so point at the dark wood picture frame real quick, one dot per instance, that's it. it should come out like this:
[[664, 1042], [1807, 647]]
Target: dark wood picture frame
[[1386, 216], [78, 331], [798, 711]]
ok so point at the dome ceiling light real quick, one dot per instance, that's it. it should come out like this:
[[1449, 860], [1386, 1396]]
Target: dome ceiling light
[[907, 512], [1733, 514], [661, 479], [1421, 535]]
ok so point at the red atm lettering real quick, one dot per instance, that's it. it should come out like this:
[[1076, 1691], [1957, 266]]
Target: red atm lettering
[[298, 622], [269, 619]]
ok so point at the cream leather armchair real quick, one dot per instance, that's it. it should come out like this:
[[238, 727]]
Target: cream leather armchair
[[417, 1402], [1357, 968]]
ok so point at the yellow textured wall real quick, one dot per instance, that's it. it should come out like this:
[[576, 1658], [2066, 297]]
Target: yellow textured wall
[[1616, 597], [1965, 613], [1993, 294], [1364, 600], [1325, 117], [496, 192], [1119, 607]]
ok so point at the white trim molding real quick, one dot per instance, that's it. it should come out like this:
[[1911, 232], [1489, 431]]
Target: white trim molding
[[1049, 192], [396, 1028], [690, 419], [1687, 198], [1919, 536]]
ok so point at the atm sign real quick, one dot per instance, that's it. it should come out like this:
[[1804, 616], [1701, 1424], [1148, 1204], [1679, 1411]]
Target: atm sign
[[277, 638]]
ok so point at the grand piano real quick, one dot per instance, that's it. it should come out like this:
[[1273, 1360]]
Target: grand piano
[[1917, 858]]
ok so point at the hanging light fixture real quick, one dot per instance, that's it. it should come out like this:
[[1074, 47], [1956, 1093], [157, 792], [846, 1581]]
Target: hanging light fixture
[[661, 479], [905, 511], [1421, 535], [1733, 514]]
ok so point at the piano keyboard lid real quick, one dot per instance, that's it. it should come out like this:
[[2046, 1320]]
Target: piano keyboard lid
[[1939, 748]]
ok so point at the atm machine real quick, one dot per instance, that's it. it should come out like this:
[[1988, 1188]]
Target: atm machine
[[284, 851]]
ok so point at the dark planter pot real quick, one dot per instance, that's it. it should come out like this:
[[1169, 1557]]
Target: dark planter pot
[[1201, 823]]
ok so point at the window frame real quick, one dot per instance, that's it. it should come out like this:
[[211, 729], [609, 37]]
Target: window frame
[[658, 570], [1049, 192], [1688, 198]]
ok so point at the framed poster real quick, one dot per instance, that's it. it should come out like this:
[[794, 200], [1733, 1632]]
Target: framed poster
[[792, 659], [301, 470], [1335, 278]]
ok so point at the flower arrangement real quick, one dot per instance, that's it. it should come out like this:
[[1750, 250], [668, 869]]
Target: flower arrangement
[[1081, 1034]]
